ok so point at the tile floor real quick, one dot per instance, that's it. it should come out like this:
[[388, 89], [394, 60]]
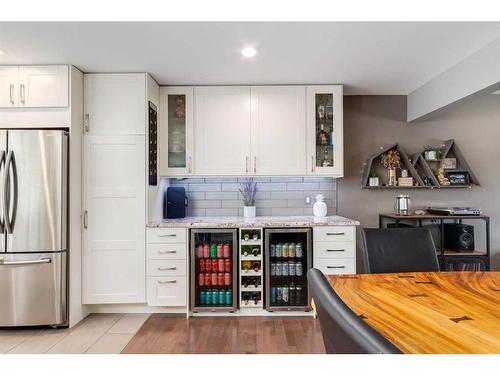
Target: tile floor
[[96, 334]]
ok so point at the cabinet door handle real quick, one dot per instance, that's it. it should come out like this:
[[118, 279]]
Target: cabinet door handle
[[168, 235], [167, 251], [85, 219], [22, 93], [335, 234], [246, 163], [255, 164], [335, 249], [167, 281], [189, 165], [312, 163], [11, 92], [167, 268], [335, 266], [86, 123]]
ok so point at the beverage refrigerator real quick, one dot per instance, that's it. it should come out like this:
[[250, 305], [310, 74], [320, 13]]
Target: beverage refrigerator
[[288, 257], [213, 270]]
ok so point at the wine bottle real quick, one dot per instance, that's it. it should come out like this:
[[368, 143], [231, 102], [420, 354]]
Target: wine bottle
[[256, 282], [246, 299], [246, 282], [256, 266], [255, 251], [255, 298], [245, 252], [246, 266]]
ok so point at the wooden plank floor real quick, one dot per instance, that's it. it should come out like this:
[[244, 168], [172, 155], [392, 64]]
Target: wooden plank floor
[[227, 335]]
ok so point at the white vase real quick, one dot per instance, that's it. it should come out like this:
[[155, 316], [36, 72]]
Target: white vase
[[249, 211], [319, 208]]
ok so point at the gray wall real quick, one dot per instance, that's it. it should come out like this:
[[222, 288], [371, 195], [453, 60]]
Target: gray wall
[[276, 196], [374, 121]]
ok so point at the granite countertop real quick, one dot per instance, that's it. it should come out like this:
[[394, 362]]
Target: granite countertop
[[259, 221]]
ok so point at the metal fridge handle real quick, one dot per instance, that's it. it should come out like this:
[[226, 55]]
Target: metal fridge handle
[[2, 204], [10, 222], [21, 262]]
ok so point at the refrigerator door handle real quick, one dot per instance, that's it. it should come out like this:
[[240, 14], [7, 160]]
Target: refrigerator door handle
[[10, 221], [2, 203], [23, 262]]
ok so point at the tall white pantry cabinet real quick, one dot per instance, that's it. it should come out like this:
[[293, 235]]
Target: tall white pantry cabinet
[[114, 190]]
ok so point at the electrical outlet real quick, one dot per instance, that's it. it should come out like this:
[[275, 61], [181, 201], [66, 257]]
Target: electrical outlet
[[308, 200]]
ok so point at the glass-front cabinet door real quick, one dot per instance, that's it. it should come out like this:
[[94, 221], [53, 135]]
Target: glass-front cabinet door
[[325, 130], [176, 131]]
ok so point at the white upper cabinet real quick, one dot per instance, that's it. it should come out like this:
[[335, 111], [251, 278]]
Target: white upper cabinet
[[278, 130], [176, 131], [34, 86], [222, 131], [43, 86], [115, 104], [325, 130]]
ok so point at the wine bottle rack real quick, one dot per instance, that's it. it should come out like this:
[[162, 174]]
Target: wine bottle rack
[[251, 255]]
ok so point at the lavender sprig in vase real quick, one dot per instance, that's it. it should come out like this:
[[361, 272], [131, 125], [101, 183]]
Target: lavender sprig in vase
[[248, 190]]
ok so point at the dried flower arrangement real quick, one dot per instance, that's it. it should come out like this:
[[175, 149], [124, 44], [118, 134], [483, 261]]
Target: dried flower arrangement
[[248, 190], [391, 159]]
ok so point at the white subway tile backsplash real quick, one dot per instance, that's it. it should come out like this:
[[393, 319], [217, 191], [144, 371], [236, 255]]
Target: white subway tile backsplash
[[281, 211], [205, 203], [230, 203], [271, 203], [303, 186], [222, 195], [198, 195], [286, 195], [221, 212], [205, 187], [287, 179], [230, 187], [271, 186]]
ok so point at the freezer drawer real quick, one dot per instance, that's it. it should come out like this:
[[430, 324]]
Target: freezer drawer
[[32, 289]]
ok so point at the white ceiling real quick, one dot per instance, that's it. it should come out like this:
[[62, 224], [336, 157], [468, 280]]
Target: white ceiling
[[369, 58]]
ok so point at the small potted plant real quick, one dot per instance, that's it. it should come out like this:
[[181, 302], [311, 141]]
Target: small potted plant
[[374, 180], [432, 153], [248, 190]]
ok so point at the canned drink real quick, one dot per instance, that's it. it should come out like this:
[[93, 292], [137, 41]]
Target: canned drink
[[226, 249], [273, 294], [272, 250], [284, 294], [199, 251], [279, 294], [279, 269], [213, 251], [206, 251], [208, 296], [201, 265], [227, 279], [208, 279], [298, 269], [229, 297], [215, 297], [291, 250], [284, 251], [208, 265], [227, 265], [220, 279], [215, 265], [220, 251], [273, 269], [203, 297], [299, 251], [214, 279], [221, 265], [222, 297], [284, 269], [291, 268], [279, 250], [201, 279]]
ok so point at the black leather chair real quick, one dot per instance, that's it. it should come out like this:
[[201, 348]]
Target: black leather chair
[[399, 250], [343, 331]]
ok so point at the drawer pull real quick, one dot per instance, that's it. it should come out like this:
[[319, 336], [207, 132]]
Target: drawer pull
[[335, 250], [167, 251], [335, 266], [335, 234], [167, 268], [168, 235], [167, 281]]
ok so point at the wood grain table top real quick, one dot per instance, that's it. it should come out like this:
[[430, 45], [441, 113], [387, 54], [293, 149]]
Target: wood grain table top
[[428, 312]]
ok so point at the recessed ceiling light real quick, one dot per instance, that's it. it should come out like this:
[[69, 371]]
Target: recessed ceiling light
[[249, 52]]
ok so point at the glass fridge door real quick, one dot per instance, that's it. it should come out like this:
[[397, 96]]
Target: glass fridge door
[[213, 258], [288, 255]]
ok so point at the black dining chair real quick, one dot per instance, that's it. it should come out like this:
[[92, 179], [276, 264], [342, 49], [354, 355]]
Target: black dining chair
[[343, 331], [399, 250]]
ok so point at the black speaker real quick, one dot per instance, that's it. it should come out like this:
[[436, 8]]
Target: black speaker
[[458, 237], [174, 203]]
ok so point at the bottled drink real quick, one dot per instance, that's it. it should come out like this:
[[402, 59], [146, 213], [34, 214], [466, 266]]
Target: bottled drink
[[298, 294], [199, 250], [229, 297], [227, 265], [203, 297], [214, 279], [245, 251], [226, 249], [291, 268], [220, 251], [298, 269], [201, 265], [255, 251], [256, 282], [284, 251], [273, 269], [272, 250], [208, 279], [246, 298], [246, 266], [256, 266], [215, 265], [220, 279], [206, 251], [227, 279], [284, 293], [284, 271], [221, 264], [299, 251], [279, 295], [279, 250], [208, 296], [291, 250], [201, 279], [255, 298], [273, 294], [246, 282], [291, 293], [222, 297], [213, 251]]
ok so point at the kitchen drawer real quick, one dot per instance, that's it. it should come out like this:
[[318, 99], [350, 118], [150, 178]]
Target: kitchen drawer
[[165, 235], [340, 249], [166, 251], [334, 234], [169, 267], [167, 291], [335, 266]]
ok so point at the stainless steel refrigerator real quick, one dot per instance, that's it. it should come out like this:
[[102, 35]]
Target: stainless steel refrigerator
[[33, 227]]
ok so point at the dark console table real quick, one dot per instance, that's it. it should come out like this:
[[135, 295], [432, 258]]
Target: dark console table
[[450, 260]]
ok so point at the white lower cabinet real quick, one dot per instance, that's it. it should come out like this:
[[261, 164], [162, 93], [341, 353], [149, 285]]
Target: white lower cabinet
[[166, 269], [334, 250]]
